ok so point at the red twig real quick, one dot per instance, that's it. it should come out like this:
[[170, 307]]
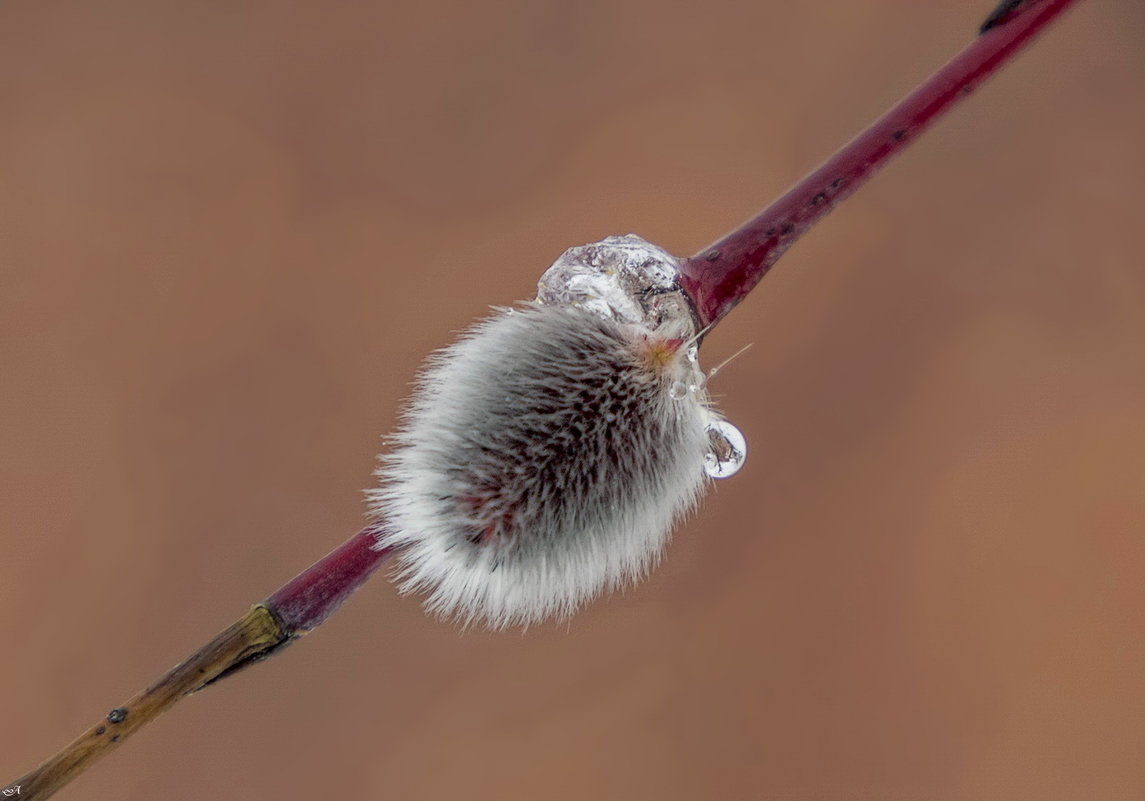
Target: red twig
[[717, 279], [721, 275], [315, 593]]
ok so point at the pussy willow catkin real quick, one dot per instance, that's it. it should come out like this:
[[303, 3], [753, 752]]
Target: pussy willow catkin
[[545, 456]]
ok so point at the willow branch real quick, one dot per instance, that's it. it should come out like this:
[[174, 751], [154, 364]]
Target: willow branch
[[717, 279], [722, 274]]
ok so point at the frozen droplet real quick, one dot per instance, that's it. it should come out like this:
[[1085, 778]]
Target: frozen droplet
[[728, 449], [622, 278], [693, 354], [678, 390]]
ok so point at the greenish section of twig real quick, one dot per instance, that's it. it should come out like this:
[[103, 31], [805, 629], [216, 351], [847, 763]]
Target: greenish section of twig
[[254, 636]]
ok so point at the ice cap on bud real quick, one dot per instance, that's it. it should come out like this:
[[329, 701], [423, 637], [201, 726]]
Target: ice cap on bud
[[622, 278]]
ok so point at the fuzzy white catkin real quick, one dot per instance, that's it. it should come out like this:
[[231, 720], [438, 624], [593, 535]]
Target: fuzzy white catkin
[[542, 459]]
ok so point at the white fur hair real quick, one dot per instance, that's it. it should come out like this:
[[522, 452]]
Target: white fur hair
[[542, 459]]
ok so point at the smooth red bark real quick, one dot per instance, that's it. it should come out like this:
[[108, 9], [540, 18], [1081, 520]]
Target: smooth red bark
[[317, 592], [722, 274]]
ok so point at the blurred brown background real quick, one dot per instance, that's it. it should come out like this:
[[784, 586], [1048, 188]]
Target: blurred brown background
[[229, 232]]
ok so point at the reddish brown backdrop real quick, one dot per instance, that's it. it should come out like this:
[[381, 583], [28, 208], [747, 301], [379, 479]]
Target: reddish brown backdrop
[[229, 232]]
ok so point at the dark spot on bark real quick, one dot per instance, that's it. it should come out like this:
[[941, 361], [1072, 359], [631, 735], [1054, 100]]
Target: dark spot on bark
[[967, 89], [836, 183], [1000, 14], [770, 231], [713, 254], [117, 715], [787, 229], [819, 198], [115, 738], [101, 730], [899, 135]]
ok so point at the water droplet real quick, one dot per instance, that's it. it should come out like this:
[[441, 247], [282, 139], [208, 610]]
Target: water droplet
[[678, 390], [693, 354], [728, 449]]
